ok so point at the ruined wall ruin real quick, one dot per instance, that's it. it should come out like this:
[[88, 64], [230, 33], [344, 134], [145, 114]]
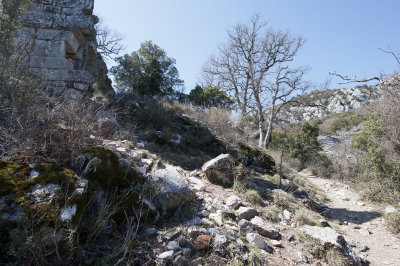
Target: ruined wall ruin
[[64, 48]]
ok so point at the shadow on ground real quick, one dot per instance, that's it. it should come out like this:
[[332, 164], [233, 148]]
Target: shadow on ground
[[355, 217]]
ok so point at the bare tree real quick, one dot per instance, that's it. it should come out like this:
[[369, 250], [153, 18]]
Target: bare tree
[[245, 64], [224, 71], [287, 83], [109, 42]]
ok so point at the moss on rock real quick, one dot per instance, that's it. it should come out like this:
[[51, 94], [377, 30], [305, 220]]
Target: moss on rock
[[109, 174]]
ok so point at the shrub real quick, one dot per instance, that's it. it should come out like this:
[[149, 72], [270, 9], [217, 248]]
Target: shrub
[[393, 222], [253, 196], [272, 214]]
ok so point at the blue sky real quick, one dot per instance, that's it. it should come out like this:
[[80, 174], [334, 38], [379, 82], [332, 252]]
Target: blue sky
[[341, 35]]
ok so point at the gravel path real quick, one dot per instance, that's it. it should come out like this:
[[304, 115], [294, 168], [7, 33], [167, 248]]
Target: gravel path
[[360, 222]]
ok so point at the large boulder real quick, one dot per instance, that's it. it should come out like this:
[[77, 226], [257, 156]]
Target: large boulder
[[329, 239], [171, 188], [220, 170]]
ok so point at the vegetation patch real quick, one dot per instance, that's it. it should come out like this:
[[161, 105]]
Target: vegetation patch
[[393, 222], [253, 196]]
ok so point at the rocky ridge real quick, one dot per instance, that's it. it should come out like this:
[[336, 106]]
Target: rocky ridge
[[322, 103]]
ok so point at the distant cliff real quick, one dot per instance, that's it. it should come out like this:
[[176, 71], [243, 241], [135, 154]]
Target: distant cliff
[[322, 103]]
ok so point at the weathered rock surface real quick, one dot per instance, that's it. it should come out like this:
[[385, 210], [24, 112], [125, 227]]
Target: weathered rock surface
[[233, 202], [220, 170], [172, 188], [264, 229], [64, 47], [246, 213], [328, 238], [257, 240]]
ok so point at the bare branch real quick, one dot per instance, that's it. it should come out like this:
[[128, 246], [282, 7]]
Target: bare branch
[[349, 80], [108, 42], [392, 53]]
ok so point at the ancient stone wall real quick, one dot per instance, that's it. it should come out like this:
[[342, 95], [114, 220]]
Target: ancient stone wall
[[63, 47]]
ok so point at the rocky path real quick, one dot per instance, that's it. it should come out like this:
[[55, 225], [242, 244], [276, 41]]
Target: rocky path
[[360, 222]]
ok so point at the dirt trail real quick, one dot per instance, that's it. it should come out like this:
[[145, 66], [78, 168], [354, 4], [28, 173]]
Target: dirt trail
[[360, 222]]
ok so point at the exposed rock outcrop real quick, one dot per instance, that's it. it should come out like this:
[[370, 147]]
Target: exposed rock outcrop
[[220, 170], [62, 37], [329, 239]]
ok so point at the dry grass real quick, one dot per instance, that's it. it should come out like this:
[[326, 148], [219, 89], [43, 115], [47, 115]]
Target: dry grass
[[393, 222]]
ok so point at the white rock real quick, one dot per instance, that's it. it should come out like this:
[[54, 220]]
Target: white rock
[[172, 187], [256, 240], [287, 214], [218, 217], [34, 174], [68, 213], [225, 209], [233, 202], [203, 213], [196, 184], [207, 222], [140, 145], [302, 257], [214, 231], [220, 240], [390, 209], [167, 255], [173, 246], [45, 193]]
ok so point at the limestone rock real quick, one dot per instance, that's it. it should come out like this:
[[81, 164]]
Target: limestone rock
[[167, 255], [218, 217], [173, 234], [390, 209], [256, 240], [302, 257], [328, 238], [220, 240], [233, 202], [172, 188], [264, 229], [173, 246], [220, 170], [196, 184], [246, 213]]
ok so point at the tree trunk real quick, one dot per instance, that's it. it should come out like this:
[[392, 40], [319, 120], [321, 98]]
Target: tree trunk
[[261, 125], [270, 126], [281, 169]]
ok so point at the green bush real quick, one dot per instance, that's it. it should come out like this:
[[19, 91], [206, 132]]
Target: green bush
[[393, 222], [378, 173], [346, 122], [253, 196]]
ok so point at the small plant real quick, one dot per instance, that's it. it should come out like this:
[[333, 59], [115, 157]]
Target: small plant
[[253, 196], [272, 214], [393, 222], [239, 186], [256, 257], [306, 217]]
